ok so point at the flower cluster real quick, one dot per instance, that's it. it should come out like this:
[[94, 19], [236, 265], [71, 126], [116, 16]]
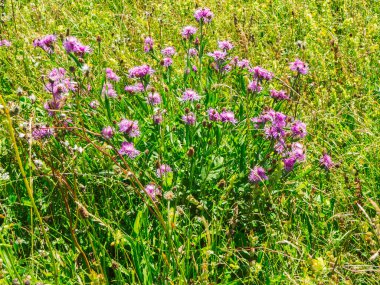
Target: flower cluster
[[299, 66], [140, 71], [46, 43], [203, 15], [72, 45], [131, 128]]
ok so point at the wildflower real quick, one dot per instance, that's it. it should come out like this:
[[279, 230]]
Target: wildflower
[[298, 129], [189, 119], [138, 87], [94, 104], [188, 32], [228, 117], [218, 55], [203, 15], [192, 52], [168, 51], [261, 73], [275, 130], [107, 132], [54, 105], [157, 118], [128, 149], [167, 61], [299, 66], [213, 115], [257, 175], [295, 154], [194, 68], [72, 45], [279, 95], [326, 162], [244, 63], [59, 84], [254, 87], [154, 98], [190, 95], [163, 170], [153, 191], [140, 71], [169, 195], [5, 43], [42, 132], [129, 127], [112, 75], [46, 43], [109, 91], [289, 163], [148, 44], [225, 45]]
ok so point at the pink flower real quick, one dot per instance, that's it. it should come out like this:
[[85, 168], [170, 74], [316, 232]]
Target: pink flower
[[163, 170], [326, 162], [72, 45], [131, 128], [148, 44], [257, 175], [189, 119], [153, 191], [168, 51], [188, 32], [107, 132], [299, 66], [254, 87], [261, 73], [203, 15], [218, 55], [128, 149], [112, 75], [167, 61], [140, 71], [279, 95], [190, 95], [46, 43], [5, 43], [225, 45], [228, 117], [154, 99], [213, 115], [109, 91]]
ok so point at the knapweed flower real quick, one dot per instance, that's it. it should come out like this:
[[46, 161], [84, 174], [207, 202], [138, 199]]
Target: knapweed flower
[[157, 117], [72, 45], [299, 66], [279, 95], [167, 61], [257, 175], [326, 162], [42, 132], [153, 191], [163, 170], [244, 63], [112, 75], [131, 128], [192, 52], [109, 91], [188, 32], [189, 119], [295, 154], [168, 51], [5, 43], [94, 104], [107, 132], [225, 45], [298, 129], [261, 73], [213, 115], [194, 68], [54, 104], [128, 149], [203, 15], [190, 95], [154, 98], [59, 84], [148, 44], [138, 87], [140, 71], [46, 43], [254, 87], [228, 117], [218, 55]]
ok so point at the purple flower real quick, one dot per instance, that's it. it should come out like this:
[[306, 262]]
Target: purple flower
[[42, 132], [261, 73], [168, 51], [254, 87], [279, 95], [157, 117], [71, 44], [188, 32], [167, 61], [295, 154], [131, 128], [189, 119], [94, 104], [326, 162], [154, 98], [107, 132], [54, 104], [5, 43], [153, 191], [228, 117], [225, 45], [203, 15], [190, 95], [148, 44], [46, 43], [140, 71], [163, 170], [257, 175], [192, 52], [298, 129], [128, 149], [109, 91], [244, 63], [112, 75], [213, 115], [289, 163], [299, 66], [138, 87], [218, 55], [194, 68]]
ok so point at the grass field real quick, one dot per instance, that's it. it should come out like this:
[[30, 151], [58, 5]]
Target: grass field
[[102, 184]]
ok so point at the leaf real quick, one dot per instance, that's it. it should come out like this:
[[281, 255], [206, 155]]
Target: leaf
[[137, 224]]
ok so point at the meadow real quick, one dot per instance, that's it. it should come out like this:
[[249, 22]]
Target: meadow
[[189, 142]]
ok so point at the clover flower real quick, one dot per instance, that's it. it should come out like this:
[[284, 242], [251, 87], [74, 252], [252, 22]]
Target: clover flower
[[46, 43], [257, 174], [131, 128], [163, 170], [188, 31], [279, 95], [299, 66], [190, 95], [203, 15], [128, 148], [112, 75]]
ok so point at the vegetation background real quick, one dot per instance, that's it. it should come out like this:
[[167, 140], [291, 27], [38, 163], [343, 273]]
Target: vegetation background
[[318, 228]]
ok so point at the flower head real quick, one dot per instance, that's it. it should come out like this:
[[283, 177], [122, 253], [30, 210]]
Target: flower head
[[188, 32], [257, 175], [5, 43], [218, 55], [189, 119], [128, 149], [138, 87], [107, 132], [213, 115], [167, 61], [148, 44], [153, 191], [298, 129], [228, 117], [72, 45], [163, 170], [42, 132], [190, 95], [192, 52], [204, 15], [168, 51], [140, 71], [131, 128], [254, 87], [109, 91], [94, 104], [46, 43], [299, 66], [279, 95], [261, 73], [112, 75], [225, 45], [326, 162], [154, 98]]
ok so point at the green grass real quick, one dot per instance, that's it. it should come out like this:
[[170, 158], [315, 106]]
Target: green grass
[[306, 227]]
